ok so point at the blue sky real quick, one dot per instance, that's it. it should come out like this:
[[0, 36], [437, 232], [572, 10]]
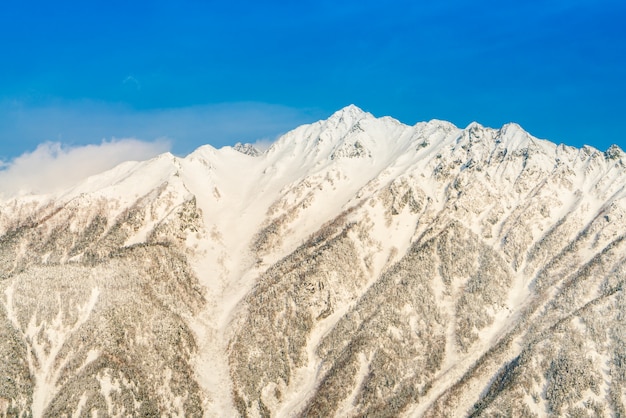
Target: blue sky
[[196, 72]]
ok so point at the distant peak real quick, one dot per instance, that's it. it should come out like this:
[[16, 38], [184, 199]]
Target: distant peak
[[474, 126], [352, 110], [614, 152], [349, 114], [512, 128], [439, 122]]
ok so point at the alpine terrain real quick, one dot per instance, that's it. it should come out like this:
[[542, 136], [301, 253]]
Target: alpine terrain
[[358, 267]]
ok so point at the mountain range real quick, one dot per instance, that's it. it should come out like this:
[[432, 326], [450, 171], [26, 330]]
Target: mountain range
[[357, 267]]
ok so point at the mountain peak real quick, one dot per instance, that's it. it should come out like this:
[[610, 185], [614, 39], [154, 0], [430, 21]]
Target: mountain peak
[[473, 126], [349, 115], [512, 129], [351, 109]]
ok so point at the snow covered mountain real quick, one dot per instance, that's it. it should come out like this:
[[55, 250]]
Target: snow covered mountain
[[358, 267]]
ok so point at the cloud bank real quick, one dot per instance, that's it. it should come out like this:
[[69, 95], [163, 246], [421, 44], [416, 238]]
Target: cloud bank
[[53, 166]]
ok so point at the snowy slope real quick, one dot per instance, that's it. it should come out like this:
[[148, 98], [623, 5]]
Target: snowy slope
[[359, 266]]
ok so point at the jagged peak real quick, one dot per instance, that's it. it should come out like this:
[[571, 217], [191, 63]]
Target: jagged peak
[[614, 152], [588, 149], [351, 109], [323, 133], [514, 135], [348, 115], [510, 137], [438, 123], [474, 126], [512, 127]]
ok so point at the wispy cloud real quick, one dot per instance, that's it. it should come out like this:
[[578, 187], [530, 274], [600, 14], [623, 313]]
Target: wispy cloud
[[65, 145], [53, 166], [132, 81]]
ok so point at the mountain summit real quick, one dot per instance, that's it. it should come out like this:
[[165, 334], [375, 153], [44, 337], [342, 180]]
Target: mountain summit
[[357, 267]]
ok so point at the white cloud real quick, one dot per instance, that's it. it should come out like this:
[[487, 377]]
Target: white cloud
[[53, 166], [133, 81]]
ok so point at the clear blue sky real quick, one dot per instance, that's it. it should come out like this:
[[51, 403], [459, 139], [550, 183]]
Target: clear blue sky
[[198, 72]]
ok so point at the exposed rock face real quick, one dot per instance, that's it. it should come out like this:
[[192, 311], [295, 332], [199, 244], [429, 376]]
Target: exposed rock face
[[359, 267]]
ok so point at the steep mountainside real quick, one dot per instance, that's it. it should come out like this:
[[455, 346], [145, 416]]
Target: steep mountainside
[[358, 267]]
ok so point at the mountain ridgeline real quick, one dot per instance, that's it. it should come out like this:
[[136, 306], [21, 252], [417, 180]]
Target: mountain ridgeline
[[357, 267]]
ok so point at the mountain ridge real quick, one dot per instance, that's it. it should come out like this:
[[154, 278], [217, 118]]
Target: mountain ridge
[[347, 118], [358, 266]]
